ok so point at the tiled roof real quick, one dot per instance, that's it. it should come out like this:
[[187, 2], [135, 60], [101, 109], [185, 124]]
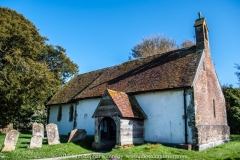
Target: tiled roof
[[75, 86], [127, 105], [170, 70]]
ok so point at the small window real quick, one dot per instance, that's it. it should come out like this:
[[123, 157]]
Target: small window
[[214, 109], [59, 117], [75, 117], [204, 67], [71, 113], [205, 32]]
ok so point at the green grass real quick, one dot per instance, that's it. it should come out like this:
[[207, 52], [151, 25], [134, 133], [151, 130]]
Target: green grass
[[226, 151], [23, 151], [229, 150]]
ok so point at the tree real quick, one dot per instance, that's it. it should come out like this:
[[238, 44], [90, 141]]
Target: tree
[[56, 59], [187, 43], [31, 71], [238, 72], [155, 45], [232, 97]]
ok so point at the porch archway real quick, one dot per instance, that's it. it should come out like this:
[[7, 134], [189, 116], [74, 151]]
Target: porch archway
[[108, 131]]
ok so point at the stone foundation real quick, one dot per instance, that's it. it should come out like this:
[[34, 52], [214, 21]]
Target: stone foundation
[[210, 145], [211, 136]]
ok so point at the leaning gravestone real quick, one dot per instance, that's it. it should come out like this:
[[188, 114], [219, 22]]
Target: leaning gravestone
[[37, 135], [10, 140], [77, 134], [52, 134]]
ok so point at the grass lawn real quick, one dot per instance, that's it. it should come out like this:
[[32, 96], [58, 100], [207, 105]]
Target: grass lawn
[[23, 151], [230, 150]]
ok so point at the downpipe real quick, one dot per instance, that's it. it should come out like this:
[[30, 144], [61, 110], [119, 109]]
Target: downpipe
[[185, 115]]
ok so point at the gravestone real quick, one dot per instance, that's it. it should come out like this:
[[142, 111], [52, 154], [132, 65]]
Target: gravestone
[[38, 129], [6, 128], [37, 135], [10, 140], [52, 134], [36, 141], [76, 135]]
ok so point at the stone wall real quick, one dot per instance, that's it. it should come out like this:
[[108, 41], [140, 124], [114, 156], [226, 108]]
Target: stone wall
[[193, 134], [212, 133]]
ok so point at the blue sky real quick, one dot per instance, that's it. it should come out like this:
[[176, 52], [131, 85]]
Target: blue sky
[[101, 33]]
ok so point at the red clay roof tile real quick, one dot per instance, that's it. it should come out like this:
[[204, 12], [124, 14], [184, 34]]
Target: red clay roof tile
[[173, 69]]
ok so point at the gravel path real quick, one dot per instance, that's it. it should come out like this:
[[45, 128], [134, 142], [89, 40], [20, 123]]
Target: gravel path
[[85, 156]]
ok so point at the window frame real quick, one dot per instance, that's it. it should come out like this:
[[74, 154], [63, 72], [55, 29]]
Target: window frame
[[214, 109], [59, 116], [71, 113]]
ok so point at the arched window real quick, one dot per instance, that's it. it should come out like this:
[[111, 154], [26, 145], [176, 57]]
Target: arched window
[[59, 117], [71, 113]]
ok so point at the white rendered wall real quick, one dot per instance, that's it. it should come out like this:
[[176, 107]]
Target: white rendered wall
[[165, 112], [64, 126], [163, 109], [85, 110]]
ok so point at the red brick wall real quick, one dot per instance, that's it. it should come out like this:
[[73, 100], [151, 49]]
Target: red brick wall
[[206, 90]]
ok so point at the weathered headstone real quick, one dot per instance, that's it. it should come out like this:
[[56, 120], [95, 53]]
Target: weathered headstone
[[38, 129], [10, 140], [36, 141], [77, 134], [52, 134], [6, 128], [37, 135]]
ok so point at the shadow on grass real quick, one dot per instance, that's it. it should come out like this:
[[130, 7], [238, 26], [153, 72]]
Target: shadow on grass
[[63, 139], [232, 158], [44, 141], [23, 147], [25, 137], [235, 137], [85, 143]]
